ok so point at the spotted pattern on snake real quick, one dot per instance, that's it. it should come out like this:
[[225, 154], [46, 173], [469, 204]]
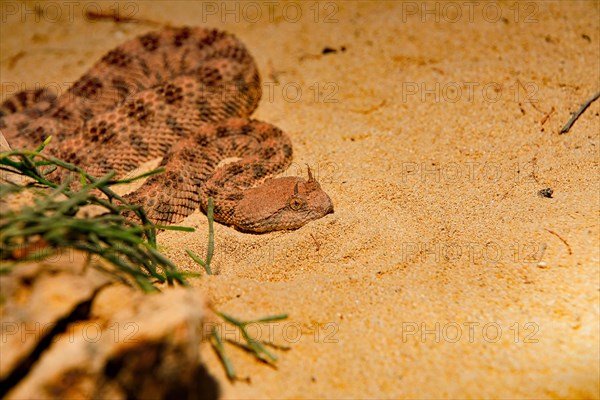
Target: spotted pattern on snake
[[186, 95]]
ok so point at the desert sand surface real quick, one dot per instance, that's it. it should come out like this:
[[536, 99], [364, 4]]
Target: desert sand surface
[[442, 272]]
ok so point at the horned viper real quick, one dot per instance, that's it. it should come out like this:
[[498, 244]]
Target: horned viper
[[186, 95]]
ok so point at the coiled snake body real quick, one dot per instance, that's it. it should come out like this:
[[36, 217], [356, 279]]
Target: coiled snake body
[[184, 94]]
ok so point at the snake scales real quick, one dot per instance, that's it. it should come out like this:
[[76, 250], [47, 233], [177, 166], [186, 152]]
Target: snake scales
[[186, 95]]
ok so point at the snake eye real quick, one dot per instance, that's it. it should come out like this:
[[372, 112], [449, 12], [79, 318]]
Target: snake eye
[[296, 203]]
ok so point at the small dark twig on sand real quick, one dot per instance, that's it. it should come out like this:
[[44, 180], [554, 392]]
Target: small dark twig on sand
[[576, 114]]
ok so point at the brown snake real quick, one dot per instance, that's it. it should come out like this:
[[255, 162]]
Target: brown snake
[[186, 95]]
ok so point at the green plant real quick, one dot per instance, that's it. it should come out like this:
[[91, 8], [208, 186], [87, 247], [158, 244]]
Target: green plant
[[50, 223], [211, 241], [250, 344]]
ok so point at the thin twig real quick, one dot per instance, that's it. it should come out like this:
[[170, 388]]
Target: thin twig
[[547, 116], [117, 18], [578, 113], [562, 240]]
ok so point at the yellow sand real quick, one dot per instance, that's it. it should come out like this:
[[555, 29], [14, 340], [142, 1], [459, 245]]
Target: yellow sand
[[442, 273]]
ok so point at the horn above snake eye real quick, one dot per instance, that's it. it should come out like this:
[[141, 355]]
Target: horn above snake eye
[[296, 189], [310, 175]]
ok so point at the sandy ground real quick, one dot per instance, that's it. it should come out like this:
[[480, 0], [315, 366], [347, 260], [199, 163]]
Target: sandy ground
[[442, 272]]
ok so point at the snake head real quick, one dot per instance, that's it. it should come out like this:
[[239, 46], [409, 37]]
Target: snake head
[[282, 203]]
